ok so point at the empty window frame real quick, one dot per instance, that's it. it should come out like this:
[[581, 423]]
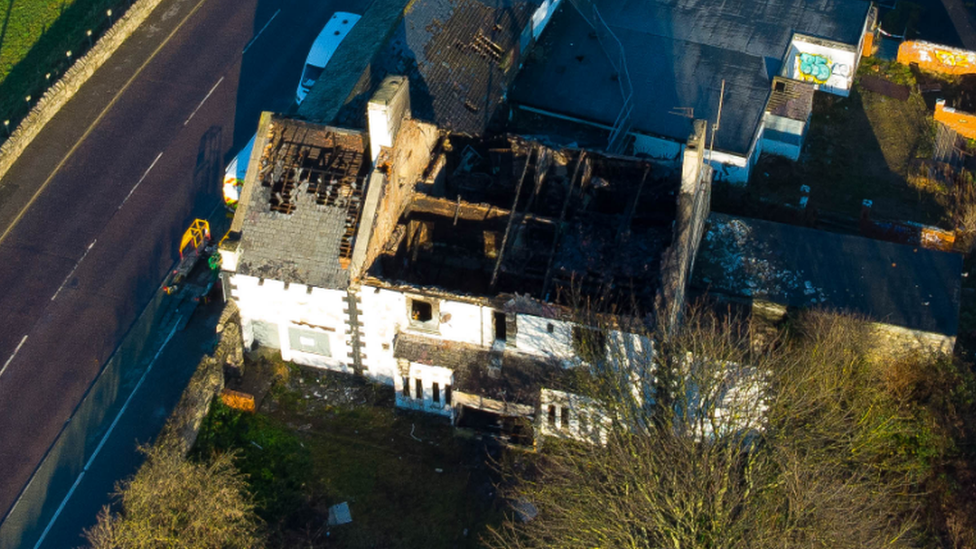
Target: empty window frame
[[421, 311], [447, 395], [419, 385], [564, 417], [406, 387], [501, 330], [436, 393], [552, 416]]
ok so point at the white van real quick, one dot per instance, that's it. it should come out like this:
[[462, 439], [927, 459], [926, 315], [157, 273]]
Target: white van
[[322, 49]]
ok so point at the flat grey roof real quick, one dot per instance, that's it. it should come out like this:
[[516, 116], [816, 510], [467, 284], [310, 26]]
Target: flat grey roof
[[906, 286], [678, 52]]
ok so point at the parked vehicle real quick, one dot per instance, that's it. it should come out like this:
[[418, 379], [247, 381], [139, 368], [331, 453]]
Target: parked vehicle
[[322, 49]]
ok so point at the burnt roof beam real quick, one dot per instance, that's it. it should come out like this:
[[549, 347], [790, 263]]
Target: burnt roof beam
[[511, 218]]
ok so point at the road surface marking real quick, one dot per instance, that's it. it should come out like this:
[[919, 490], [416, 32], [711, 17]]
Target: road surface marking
[[104, 439], [91, 127], [11, 359], [73, 269], [158, 156], [248, 46], [202, 102]]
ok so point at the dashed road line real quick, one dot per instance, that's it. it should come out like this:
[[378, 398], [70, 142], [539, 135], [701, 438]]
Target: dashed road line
[[73, 269], [192, 114], [91, 127], [11, 359], [158, 156]]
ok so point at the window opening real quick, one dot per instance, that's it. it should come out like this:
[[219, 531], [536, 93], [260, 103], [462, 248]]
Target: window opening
[[420, 389], [406, 387], [500, 329], [564, 418], [421, 311], [447, 395], [436, 390], [552, 416]]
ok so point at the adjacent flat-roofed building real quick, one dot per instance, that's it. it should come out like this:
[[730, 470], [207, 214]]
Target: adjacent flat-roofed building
[[677, 53], [909, 293]]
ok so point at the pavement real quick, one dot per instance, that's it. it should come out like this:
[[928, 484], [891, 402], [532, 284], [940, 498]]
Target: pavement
[[92, 214]]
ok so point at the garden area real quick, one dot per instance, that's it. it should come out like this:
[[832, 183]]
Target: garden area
[[321, 439]]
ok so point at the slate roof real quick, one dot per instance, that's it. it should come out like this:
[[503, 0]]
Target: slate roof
[[519, 379], [678, 52], [308, 245], [905, 286], [460, 57]]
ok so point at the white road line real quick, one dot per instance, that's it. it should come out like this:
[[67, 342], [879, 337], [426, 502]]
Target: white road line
[[248, 46], [204, 100], [144, 174], [104, 439], [11, 359], [73, 269]]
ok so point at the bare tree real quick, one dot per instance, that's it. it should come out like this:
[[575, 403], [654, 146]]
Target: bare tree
[[175, 503], [784, 443]]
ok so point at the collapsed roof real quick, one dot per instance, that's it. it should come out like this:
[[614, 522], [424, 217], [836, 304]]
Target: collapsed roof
[[300, 208], [506, 215]]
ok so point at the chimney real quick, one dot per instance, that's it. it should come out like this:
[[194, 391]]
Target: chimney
[[387, 108], [694, 157]]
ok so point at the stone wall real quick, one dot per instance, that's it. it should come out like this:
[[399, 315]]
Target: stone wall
[[183, 425], [65, 88]]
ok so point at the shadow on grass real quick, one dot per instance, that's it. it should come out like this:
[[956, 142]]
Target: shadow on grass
[[48, 54], [6, 23], [858, 148]]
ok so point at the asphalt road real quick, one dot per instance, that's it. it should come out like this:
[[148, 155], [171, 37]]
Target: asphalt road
[[92, 213]]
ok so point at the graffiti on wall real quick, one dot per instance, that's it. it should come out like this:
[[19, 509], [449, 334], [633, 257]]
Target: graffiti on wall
[[937, 58], [817, 68], [951, 58]]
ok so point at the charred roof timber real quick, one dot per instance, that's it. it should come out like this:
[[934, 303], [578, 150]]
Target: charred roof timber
[[300, 214], [506, 215]]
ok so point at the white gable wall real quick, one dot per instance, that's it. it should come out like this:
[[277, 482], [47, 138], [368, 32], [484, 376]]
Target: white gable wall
[[384, 313], [308, 327]]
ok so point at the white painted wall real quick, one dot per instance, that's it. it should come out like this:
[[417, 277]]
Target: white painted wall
[[293, 310], [730, 168], [428, 376], [831, 69], [545, 337], [567, 415], [385, 313]]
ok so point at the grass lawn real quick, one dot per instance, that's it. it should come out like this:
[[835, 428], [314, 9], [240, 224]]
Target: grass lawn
[[859, 147], [305, 453], [34, 37]]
